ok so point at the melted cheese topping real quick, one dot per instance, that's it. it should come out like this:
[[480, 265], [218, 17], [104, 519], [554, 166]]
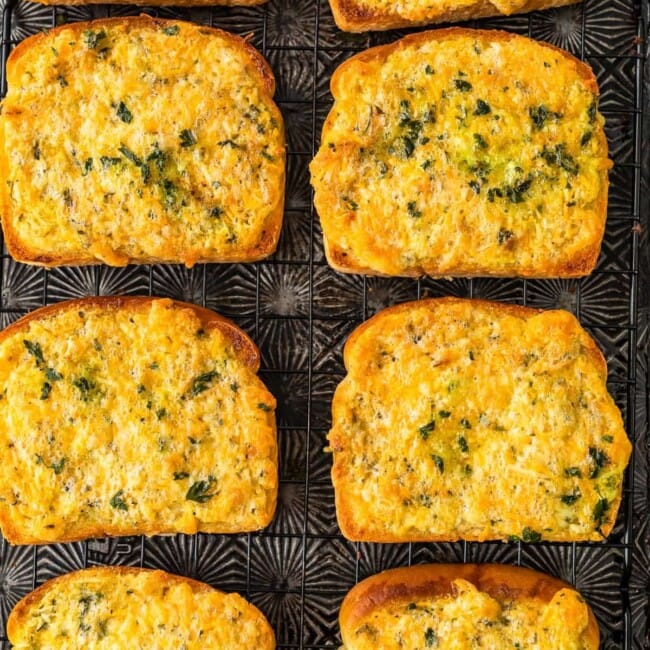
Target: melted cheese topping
[[469, 618], [98, 609], [503, 428], [142, 142], [132, 420], [463, 155]]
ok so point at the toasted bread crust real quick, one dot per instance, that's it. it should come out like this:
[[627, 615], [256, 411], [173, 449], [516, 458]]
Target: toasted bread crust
[[581, 264], [352, 16], [22, 609], [250, 354], [247, 353], [405, 585], [347, 517], [258, 67]]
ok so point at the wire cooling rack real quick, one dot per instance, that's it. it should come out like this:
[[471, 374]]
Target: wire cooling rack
[[300, 312]]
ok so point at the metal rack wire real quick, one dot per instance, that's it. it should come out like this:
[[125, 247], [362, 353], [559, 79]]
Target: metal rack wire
[[299, 311]]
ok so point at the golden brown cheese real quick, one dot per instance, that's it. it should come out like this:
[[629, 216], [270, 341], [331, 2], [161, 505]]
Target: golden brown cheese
[[104, 608], [462, 419], [364, 15], [479, 607], [461, 153], [129, 416], [136, 139]]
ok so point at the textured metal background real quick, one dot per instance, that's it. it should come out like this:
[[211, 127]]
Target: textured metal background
[[300, 312]]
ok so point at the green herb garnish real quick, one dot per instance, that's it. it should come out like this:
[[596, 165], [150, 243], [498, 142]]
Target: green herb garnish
[[118, 502], [558, 157], [600, 511], [480, 141], [482, 108], [426, 429], [35, 350], [413, 211], [199, 491], [504, 235], [187, 138], [573, 471], [599, 459], [570, 499], [202, 382], [124, 113], [462, 85], [129, 155], [92, 39], [430, 638], [530, 536]]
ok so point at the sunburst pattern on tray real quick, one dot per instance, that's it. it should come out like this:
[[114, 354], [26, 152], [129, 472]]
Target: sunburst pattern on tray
[[300, 313]]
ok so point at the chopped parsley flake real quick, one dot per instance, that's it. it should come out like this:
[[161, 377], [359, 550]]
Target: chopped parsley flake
[[202, 382], [35, 350], [462, 85], [482, 108], [124, 113], [52, 375], [430, 638], [426, 429], [199, 491], [187, 138], [118, 502], [530, 536]]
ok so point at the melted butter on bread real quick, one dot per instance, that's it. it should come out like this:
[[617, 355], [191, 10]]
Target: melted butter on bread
[[460, 153], [463, 419], [140, 139], [131, 419]]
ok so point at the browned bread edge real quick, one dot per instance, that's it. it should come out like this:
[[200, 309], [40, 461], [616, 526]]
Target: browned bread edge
[[21, 609], [405, 585], [351, 17], [259, 67]]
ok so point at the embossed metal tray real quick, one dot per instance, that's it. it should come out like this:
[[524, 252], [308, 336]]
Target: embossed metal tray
[[300, 312]]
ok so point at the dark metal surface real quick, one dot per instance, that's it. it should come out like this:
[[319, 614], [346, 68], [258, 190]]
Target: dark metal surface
[[299, 312]]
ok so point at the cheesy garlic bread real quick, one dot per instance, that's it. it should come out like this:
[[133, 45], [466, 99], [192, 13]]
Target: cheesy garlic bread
[[365, 15], [468, 420], [125, 416], [116, 607], [140, 140], [449, 606], [462, 153]]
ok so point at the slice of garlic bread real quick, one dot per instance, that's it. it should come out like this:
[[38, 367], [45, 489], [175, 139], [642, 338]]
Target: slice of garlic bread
[[462, 153], [468, 420], [447, 606], [140, 140], [124, 416], [117, 607], [365, 15]]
